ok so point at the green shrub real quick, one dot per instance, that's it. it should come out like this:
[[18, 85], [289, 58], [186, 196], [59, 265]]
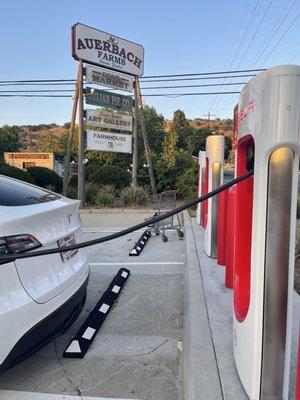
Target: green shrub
[[110, 175], [187, 185], [73, 180], [91, 191], [45, 177], [50, 187], [16, 173], [105, 196], [167, 176], [133, 196], [72, 192]]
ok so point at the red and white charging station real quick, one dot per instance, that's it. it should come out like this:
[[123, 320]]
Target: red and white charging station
[[201, 178], [214, 175], [268, 140]]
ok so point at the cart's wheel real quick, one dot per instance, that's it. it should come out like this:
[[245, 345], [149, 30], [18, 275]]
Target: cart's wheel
[[164, 238], [157, 232], [180, 233]]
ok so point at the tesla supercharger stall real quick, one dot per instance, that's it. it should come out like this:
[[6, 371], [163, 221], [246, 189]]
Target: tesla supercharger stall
[[268, 141], [201, 178], [214, 174]]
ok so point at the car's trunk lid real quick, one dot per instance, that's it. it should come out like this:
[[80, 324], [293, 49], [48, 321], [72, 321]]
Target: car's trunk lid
[[45, 277]]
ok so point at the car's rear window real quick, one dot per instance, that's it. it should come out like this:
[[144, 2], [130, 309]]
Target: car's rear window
[[15, 193]]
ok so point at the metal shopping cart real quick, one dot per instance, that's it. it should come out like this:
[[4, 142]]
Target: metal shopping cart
[[165, 201]]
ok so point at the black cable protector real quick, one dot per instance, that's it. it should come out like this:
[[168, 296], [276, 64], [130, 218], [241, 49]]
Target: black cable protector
[[132, 228]]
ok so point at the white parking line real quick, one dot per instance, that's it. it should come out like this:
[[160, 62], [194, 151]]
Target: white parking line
[[15, 395], [138, 263]]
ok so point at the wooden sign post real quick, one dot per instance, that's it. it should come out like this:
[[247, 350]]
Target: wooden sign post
[[121, 61]]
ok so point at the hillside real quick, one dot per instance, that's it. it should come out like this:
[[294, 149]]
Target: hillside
[[223, 126], [46, 138], [52, 137]]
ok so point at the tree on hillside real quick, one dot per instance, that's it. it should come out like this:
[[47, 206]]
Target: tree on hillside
[[9, 139], [155, 130], [180, 123], [167, 176], [196, 141], [181, 126], [169, 148], [227, 147]]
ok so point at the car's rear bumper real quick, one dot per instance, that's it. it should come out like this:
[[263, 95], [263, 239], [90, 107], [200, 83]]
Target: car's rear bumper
[[51, 326]]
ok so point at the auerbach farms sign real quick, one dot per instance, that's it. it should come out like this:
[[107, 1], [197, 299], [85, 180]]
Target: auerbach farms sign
[[100, 48]]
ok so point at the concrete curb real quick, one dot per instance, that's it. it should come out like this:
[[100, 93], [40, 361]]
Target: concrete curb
[[201, 376]]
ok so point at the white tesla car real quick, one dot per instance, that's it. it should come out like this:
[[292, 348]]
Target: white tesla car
[[41, 296]]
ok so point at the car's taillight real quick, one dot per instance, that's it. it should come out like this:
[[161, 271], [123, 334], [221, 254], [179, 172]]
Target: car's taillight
[[16, 244]]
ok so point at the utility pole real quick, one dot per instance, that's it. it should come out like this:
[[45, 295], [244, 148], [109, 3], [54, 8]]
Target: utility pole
[[67, 158], [80, 138], [145, 137], [208, 115], [135, 137]]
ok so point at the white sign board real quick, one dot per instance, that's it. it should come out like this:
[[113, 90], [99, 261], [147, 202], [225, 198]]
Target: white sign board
[[106, 50], [109, 120], [105, 77], [109, 141]]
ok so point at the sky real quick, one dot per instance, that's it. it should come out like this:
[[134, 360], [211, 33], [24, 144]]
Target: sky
[[190, 36]]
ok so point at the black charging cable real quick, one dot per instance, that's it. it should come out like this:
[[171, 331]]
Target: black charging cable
[[155, 219]]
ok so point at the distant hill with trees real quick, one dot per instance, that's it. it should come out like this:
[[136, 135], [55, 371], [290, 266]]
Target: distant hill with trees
[[172, 142]]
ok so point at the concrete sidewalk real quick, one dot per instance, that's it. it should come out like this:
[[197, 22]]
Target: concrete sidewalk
[[217, 300]]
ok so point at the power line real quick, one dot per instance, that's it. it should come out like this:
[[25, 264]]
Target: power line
[[202, 73], [253, 36], [37, 91], [261, 52], [37, 84], [187, 94], [150, 87], [145, 77], [294, 56], [148, 81], [231, 50], [257, 29], [34, 95], [266, 44], [280, 39], [192, 86], [144, 95], [240, 43], [200, 78], [40, 80]]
